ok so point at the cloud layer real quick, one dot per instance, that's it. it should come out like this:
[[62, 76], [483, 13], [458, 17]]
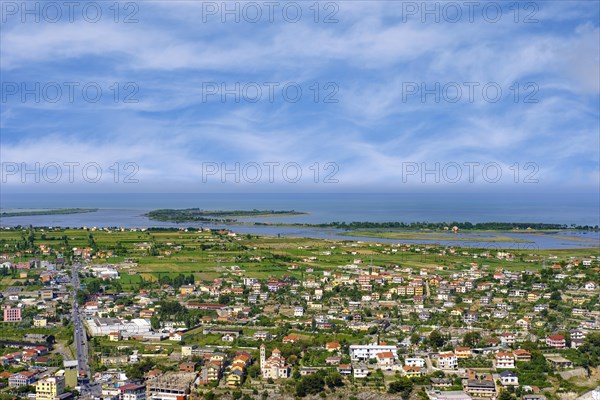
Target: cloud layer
[[362, 92]]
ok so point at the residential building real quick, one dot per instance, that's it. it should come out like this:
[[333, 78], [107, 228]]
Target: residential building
[[414, 362], [481, 388], [368, 351], [360, 371], [504, 360], [556, 341], [11, 314], [49, 388], [463, 352], [21, 379], [509, 378], [522, 355], [385, 360], [447, 360], [132, 391], [411, 372]]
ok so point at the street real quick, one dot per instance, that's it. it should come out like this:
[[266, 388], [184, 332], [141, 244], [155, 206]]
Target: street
[[81, 344]]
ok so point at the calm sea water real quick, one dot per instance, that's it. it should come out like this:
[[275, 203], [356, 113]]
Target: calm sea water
[[126, 210]]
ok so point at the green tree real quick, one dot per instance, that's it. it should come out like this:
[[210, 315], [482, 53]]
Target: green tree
[[436, 339], [334, 379], [155, 322], [253, 371], [136, 371], [415, 338], [310, 384], [471, 339], [403, 386], [210, 396]]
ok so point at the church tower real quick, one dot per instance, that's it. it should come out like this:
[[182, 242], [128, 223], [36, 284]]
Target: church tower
[[263, 354]]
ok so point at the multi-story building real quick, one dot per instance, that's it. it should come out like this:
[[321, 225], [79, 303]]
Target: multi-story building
[[385, 359], [447, 360], [170, 386], [190, 351], [414, 362], [556, 341], [49, 388], [132, 391], [360, 352], [522, 355], [463, 352], [509, 378], [507, 339], [481, 388], [11, 314], [504, 360], [22, 378]]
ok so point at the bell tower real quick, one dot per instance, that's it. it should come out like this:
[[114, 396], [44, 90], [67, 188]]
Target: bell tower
[[263, 354]]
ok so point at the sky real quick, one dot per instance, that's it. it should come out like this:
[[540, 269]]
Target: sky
[[329, 96]]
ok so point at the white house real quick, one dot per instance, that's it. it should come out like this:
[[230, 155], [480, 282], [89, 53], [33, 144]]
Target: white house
[[360, 371], [414, 362], [447, 360], [509, 378], [385, 359], [368, 351], [504, 360]]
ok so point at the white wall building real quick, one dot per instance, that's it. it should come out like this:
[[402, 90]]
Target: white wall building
[[414, 362], [104, 326], [365, 352]]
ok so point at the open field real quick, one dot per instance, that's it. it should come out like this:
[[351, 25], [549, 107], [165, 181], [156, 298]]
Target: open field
[[433, 236], [209, 255]]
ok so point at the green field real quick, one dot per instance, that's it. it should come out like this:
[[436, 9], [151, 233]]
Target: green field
[[209, 255], [433, 236]]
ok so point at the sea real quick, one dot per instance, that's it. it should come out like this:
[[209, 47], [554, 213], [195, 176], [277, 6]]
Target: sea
[[127, 210]]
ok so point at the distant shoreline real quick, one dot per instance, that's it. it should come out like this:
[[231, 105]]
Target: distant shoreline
[[53, 211], [221, 216]]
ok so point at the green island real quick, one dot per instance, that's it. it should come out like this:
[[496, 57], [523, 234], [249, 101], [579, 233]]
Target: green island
[[441, 226], [196, 214], [52, 211]]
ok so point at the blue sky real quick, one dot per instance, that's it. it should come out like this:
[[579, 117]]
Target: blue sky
[[377, 131]]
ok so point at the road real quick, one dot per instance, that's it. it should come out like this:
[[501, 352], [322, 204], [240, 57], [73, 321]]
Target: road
[[88, 389]]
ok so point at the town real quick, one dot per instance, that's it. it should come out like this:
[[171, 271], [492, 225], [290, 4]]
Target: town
[[196, 313]]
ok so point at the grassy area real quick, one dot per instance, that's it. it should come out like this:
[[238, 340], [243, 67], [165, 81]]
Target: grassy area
[[209, 255], [434, 236]]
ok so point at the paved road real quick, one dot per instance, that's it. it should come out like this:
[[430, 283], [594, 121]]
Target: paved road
[[88, 389]]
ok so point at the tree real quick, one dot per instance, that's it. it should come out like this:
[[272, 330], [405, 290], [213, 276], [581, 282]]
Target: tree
[[505, 395], [415, 338], [253, 371], [136, 371], [334, 379], [403, 386], [471, 339], [155, 322], [310, 384], [210, 396], [436, 339]]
